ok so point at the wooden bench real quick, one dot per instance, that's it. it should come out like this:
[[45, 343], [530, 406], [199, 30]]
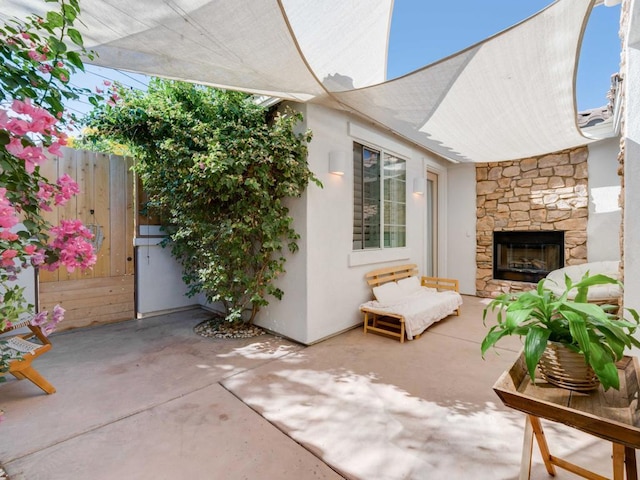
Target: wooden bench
[[25, 345], [393, 324]]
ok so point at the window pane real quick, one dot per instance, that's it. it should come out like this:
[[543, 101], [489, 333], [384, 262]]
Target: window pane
[[357, 197], [395, 236], [371, 197], [395, 196], [366, 197]]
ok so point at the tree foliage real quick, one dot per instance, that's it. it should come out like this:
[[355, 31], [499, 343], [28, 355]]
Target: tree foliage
[[217, 169]]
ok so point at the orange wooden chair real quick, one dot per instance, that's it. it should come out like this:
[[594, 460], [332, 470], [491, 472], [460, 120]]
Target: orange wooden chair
[[25, 345]]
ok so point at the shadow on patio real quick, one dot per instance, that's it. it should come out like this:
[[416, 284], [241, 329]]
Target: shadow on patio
[[151, 399]]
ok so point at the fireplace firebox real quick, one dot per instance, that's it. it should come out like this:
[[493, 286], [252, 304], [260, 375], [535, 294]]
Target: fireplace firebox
[[527, 256]]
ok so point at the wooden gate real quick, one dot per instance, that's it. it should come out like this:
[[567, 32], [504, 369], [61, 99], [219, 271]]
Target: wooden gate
[[105, 204]]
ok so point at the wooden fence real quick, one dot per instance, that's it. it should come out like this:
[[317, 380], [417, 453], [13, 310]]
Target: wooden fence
[[105, 204]]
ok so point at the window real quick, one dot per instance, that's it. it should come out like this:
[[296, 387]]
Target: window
[[379, 199]]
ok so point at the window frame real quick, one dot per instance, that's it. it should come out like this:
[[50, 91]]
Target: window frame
[[385, 198]]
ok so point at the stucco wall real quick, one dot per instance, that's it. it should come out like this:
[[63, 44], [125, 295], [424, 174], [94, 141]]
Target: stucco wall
[[603, 229], [159, 285], [631, 159], [324, 283], [461, 226]]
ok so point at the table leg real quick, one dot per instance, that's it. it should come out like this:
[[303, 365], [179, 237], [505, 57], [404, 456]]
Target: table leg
[[630, 463], [527, 451], [542, 444], [618, 461]]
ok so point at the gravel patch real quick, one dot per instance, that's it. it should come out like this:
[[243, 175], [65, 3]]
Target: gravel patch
[[217, 327]]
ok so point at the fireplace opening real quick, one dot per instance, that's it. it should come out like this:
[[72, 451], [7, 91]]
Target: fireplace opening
[[527, 256]]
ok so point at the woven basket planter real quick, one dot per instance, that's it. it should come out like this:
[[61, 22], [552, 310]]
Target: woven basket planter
[[565, 368]]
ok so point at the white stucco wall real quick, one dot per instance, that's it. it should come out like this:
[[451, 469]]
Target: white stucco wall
[[461, 226], [605, 215], [324, 283], [631, 84], [159, 285]]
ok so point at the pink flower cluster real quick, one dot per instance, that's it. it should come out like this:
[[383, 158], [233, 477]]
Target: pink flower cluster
[[8, 214], [71, 242], [61, 193], [28, 120], [48, 325]]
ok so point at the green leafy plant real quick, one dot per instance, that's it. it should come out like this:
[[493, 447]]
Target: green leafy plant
[[218, 170], [540, 316]]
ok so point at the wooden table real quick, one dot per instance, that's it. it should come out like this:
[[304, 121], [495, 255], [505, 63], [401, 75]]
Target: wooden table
[[613, 415]]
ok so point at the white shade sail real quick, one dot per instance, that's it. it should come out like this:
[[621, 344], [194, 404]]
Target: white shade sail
[[511, 96]]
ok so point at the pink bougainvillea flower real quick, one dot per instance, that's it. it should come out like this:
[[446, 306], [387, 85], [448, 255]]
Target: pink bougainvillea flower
[[67, 188], [54, 149], [71, 243], [44, 194], [58, 314], [42, 121], [37, 56], [45, 68], [30, 249], [8, 214], [18, 126], [47, 329], [106, 83], [7, 257], [4, 119], [8, 235], [32, 157], [40, 318], [38, 258]]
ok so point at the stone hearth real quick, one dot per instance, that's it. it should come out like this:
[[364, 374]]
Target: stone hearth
[[541, 193]]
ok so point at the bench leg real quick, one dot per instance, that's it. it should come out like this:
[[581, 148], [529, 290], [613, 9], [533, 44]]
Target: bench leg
[[33, 375]]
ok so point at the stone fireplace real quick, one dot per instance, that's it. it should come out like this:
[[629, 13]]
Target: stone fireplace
[[547, 194]]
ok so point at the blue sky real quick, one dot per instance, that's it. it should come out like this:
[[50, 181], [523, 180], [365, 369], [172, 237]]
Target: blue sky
[[425, 31]]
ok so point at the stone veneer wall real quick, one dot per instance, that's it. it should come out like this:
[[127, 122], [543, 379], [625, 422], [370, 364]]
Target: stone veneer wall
[[541, 193]]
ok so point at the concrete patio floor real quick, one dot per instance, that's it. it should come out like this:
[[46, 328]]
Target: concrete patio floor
[[150, 399]]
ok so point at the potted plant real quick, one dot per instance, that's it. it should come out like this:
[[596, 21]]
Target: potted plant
[[599, 333]]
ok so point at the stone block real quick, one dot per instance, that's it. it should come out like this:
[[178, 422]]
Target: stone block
[[571, 224], [494, 173], [579, 155], [520, 216], [556, 182], [581, 171], [519, 206], [553, 160], [485, 187], [512, 171], [564, 170], [555, 215], [528, 164], [524, 182]]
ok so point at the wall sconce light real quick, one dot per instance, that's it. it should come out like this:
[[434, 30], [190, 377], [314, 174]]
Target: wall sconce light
[[419, 185], [337, 163]]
